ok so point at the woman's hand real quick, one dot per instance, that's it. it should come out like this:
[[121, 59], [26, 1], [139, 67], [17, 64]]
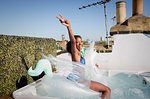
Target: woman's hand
[[63, 21]]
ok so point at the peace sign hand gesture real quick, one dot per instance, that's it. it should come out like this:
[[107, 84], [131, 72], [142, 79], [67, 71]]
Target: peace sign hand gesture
[[63, 21]]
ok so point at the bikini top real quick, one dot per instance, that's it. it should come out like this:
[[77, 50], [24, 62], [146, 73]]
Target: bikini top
[[82, 60]]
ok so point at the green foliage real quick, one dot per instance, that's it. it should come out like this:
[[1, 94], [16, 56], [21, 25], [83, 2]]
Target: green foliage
[[17, 54], [104, 43], [85, 42], [58, 41], [53, 69], [59, 48]]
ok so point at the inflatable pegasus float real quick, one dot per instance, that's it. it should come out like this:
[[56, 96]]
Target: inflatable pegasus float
[[55, 85]]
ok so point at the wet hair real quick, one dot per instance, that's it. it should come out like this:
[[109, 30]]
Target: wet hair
[[76, 36], [68, 47]]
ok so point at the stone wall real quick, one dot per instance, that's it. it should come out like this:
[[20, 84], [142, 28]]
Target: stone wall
[[17, 54]]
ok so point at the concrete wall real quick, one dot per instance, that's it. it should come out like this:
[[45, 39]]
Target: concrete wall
[[17, 54], [130, 52]]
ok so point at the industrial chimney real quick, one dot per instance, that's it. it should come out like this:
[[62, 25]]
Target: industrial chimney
[[120, 12], [137, 7]]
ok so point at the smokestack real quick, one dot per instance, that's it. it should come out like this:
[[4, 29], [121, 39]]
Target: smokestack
[[137, 7], [120, 11], [137, 23]]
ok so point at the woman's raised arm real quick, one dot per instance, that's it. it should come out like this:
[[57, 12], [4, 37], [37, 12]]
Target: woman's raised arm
[[66, 23]]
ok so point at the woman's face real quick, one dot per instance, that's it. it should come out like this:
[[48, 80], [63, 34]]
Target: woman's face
[[79, 43]]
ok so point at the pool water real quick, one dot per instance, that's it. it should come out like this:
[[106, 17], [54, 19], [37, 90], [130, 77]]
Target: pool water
[[128, 86], [123, 86]]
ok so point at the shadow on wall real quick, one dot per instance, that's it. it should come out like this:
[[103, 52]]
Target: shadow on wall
[[23, 81]]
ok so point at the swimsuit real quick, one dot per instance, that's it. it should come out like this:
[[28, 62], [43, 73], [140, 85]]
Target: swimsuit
[[74, 77], [78, 77], [83, 51], [82, 60]]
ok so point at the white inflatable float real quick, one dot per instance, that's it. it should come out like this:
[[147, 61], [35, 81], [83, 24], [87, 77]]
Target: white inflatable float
[[56, 85]]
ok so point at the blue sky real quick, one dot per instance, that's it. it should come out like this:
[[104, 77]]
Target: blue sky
[[37, 18]]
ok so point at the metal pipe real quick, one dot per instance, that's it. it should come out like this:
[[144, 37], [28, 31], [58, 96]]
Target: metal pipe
[[106, 24]]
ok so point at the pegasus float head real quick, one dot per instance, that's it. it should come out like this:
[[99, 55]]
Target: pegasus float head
[[42, 65]]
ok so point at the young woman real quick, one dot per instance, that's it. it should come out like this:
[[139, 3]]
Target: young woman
[[75, 47]]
